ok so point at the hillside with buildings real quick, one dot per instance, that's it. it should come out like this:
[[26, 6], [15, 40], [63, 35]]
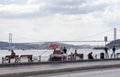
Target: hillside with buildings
[[39, 45], [115, 43]]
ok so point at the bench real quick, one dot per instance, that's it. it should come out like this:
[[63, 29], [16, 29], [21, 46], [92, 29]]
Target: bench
[[57, 52], [9, 57], [79, 55], [118, 55], [29, 57]]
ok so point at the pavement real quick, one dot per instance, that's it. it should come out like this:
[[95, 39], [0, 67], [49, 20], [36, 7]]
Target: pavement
[[109, 72], [29, 69]]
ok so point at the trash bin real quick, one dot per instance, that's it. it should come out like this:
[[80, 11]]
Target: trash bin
[[101, 55]]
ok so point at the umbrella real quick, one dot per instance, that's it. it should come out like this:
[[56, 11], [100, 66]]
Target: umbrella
[[53, 46]]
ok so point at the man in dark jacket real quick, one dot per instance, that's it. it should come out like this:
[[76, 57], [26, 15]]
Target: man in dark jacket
[[64, 50], [113, 52]]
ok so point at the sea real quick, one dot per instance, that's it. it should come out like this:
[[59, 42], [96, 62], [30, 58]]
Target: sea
[[45, 54]]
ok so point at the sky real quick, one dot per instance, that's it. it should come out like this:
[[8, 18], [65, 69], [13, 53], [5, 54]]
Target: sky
[[58, 20]]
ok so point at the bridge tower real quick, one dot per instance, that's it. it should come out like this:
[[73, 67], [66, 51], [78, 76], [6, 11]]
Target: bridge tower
[[115, 33], [10, 40]]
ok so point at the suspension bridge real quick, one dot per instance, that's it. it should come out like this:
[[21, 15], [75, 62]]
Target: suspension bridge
[[31, 69], [97, 38], [106, 36]]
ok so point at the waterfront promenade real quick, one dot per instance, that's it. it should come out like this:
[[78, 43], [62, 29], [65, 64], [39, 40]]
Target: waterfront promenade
[[38, 68], [109, 72]]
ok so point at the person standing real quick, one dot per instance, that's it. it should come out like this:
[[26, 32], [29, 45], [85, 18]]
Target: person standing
[[106, 52], [113, 52], [64, 50]]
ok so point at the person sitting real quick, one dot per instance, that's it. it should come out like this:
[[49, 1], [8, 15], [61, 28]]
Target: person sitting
[[78, 55], [12, 53], [75, 53], [90, 56]]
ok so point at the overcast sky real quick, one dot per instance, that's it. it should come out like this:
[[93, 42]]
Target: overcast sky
[[52, 20]]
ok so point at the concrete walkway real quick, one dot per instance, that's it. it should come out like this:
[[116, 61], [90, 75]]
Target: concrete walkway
[[21, 70], [110, 72]]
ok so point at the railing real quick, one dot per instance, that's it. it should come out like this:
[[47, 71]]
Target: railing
[[40, 58], [20, 59]]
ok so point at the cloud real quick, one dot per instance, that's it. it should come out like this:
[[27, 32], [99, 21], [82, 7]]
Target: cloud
[[14, 11], [38, 20], [41, 8], [49, 28], [111, 15], [5, 2]]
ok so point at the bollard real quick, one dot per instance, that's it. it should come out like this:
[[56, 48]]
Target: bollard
[[39, 59], [101, 55], [95, 56], [3, 60]]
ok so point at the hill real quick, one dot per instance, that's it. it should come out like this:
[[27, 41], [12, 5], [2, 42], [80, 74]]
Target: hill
[[39, 45], [115, 43]]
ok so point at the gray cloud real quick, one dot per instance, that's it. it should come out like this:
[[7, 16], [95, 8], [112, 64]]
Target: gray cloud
[[57, 7], [74, 9], [68, 2], [72, 18], [13, 1]]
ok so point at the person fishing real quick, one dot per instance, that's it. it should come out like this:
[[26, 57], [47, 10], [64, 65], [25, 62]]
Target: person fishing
[[113, 52]]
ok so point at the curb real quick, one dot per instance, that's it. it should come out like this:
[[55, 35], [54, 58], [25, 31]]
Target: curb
[[54, 62], [33, 73]]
